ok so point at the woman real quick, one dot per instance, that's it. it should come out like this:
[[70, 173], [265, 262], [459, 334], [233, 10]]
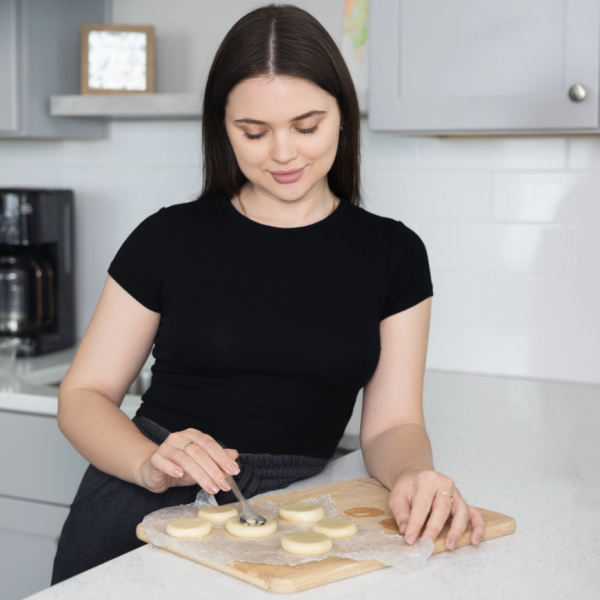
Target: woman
[[271, 300]]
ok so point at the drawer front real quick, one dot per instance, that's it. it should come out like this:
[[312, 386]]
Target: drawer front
[[28, 536], [38, 462]]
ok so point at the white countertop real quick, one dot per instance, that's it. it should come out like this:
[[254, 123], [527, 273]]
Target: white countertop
[[525, 448], [33, 392]]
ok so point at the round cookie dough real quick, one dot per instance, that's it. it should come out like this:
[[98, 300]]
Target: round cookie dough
[[307, 543], [235, 527], [218, 514], [189, 529], [336, 528], [301, 512]]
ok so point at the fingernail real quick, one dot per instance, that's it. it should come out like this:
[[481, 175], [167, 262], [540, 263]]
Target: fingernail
[[402, 526], [178, 473], [212, 488], [224, 485], [411, 537], [451, 543], [233, 468]]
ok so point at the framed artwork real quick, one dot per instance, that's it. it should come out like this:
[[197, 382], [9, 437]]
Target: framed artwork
[[117, 59], [355, 46]]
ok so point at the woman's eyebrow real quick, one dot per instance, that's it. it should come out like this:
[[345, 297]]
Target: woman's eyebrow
[[304, 116]]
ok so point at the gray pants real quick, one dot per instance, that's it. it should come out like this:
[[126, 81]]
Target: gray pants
[[106, 510]]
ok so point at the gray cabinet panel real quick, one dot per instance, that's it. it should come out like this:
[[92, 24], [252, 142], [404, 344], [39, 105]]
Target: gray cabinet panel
[[28, 534], [477, 66], [39, 58], [8, 66], [38, 462]]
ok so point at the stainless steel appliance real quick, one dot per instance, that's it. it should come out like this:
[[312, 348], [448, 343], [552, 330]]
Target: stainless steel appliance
[[36, 269]]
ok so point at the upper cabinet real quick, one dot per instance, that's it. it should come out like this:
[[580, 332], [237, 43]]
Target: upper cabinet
[[484, 66], [39, 57]]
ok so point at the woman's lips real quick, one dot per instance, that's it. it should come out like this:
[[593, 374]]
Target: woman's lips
[[287, 176]]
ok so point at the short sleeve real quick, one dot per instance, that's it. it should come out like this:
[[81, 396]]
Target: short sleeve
[[139, 265], [409, 280]]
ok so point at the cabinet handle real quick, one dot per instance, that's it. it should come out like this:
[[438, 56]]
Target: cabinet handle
[[577, 93]]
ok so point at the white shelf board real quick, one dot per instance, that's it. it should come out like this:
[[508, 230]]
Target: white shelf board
[[137, 106], [128, 106]]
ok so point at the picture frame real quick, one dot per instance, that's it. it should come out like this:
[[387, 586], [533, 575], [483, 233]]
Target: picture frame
[[117, 59]]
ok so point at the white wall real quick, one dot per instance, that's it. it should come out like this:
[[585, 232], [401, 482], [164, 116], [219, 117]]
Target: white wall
[[511, 224]]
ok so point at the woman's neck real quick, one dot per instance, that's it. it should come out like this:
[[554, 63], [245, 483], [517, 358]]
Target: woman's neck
[[277, 212]]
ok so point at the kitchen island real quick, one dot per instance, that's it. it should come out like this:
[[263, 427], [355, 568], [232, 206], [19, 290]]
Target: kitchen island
[[525, 448]]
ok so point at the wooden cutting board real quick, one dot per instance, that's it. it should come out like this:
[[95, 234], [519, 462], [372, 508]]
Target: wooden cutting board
[[364, 499]]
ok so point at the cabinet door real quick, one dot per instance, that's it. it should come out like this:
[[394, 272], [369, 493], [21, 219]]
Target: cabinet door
[[9, 118], [38, 462], [28, 535], [483, 65]]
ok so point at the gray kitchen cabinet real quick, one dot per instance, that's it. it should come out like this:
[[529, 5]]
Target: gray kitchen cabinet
[[28, 536], [483, 66], [38, 462], [39, 58]]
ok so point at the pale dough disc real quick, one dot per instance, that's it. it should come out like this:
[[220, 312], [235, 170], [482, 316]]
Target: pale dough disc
[[336, 528], [234, 527], [301, 512], [218, 514], [189, 529], [307, 543]]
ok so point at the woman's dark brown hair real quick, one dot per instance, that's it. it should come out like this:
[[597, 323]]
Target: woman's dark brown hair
[[278, 40]]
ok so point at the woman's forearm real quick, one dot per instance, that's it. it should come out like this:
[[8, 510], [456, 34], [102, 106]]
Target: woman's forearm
[[103, 434], [396, 451]]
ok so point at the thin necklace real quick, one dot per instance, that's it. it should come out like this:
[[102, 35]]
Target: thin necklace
[[247, 217]]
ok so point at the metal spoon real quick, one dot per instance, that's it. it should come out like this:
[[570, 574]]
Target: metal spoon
[[247, 517]]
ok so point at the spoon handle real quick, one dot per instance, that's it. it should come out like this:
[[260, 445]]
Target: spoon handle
[[236, 490]]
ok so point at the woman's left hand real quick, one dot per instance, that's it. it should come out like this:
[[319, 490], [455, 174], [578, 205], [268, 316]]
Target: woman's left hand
[[416, 493]]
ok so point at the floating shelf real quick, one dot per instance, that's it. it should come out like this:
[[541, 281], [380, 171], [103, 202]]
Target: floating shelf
[[135, 106], [128, 106]]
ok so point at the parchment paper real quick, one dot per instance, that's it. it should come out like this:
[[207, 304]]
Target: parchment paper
[[220, 547]]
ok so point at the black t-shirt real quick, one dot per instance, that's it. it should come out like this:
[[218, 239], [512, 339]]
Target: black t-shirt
[[267, 334]]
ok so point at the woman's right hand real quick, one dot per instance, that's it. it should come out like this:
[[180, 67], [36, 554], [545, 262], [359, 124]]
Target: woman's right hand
[[203, 462]]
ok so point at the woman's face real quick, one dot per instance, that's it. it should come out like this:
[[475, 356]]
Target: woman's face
[[283, 124]]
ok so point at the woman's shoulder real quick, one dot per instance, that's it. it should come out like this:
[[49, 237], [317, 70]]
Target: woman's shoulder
[[203, 208], [378, 226]]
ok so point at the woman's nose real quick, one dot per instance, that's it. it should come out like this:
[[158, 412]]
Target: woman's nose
[[284, 149]]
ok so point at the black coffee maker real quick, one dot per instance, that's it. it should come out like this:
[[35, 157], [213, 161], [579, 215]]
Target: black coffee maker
[[36, 269]]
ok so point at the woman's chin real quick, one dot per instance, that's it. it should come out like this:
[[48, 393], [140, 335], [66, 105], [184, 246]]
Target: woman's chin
[[288, 191]]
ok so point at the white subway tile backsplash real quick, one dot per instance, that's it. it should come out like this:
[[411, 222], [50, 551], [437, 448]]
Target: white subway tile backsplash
[[154, 152], [581, 358], [417, 194], [582, 249], [168, 130], [130, 143], [458, 296], [495, 350], [39, 177], [584, 153], [510, 248], [548, 303], [387, 150], [570, 198], [517, 153], [144, 190], [31, 153]]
